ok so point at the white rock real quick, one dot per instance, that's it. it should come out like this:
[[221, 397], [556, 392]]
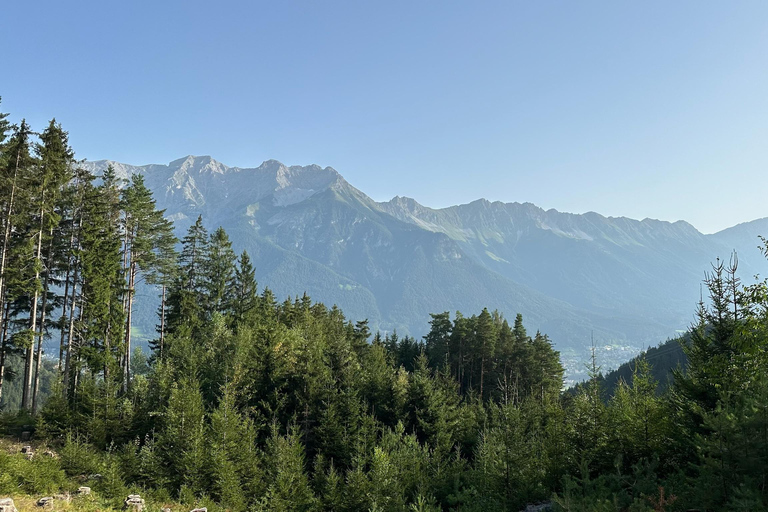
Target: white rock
[[7, 505]]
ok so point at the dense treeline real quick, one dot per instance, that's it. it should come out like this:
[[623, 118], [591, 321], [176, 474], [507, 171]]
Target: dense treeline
[[74, 246], [252, 403]]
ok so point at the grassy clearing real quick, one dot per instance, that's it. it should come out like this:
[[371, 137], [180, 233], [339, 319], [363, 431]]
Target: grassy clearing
[[27, 480]]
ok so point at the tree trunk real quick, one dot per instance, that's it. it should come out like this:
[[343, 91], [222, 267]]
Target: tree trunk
[[127, 354], [162, 322], [482, 376], [3, 345], [73, 304], [39, 356], [30, 353], [76, 376], [6, 237], [71, 332], [62, 341]]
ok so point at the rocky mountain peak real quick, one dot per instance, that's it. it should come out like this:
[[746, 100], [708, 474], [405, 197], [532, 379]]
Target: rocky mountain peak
[[198, 165], [406, 203]]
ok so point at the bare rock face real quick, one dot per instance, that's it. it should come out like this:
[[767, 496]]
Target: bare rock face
[[134, 503], [7, 505]]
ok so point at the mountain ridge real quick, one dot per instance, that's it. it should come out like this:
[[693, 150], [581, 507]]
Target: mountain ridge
[[632, 282]]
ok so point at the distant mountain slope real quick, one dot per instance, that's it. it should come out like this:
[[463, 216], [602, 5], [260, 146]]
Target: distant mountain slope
[[662, 359], [307, 229], [606, 265], [743, 238]]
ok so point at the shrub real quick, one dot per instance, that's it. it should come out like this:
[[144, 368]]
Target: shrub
[[42, 475]]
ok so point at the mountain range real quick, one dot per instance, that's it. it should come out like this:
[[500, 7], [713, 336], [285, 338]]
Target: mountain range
[[575, 277]]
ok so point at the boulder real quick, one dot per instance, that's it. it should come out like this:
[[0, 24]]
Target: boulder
[[7, 505], [134, 503], [201, 509], [28, 452], [83, 491], [45, 502], [541, 507]]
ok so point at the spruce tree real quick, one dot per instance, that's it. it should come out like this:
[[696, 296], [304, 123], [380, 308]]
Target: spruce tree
[[5, 125], [547, 371], [80, 191], [16, 164], [102, 313], [459, 350], [185, 297], [523, 357], [244, 293], [485, 333], [219, 272], [163, 273], [641, 420], [289, 489], [234, 459], [56, 160], [438, 339], [182, 439], [143, 228], [193, 255]]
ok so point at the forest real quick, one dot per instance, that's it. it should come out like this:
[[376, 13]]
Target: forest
[[247, 402]]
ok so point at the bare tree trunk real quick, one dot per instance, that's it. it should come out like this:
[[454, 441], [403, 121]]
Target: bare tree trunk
[[70, 333], [129, 313], [3, 255], [77, 373], [482, 376], [73, 304], [162, 322], [30, 353], [62, 341], [3, 345], [39, 356]]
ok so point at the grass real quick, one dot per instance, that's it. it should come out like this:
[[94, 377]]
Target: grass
[[26, 481]]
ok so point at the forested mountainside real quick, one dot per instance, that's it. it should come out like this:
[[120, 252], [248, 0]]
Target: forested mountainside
[[662, 361], [630, 283]]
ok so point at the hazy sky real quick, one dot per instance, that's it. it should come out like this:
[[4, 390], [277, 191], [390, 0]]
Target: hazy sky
[[642, 109]]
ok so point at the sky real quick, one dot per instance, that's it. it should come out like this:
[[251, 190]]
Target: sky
[[640, 109]]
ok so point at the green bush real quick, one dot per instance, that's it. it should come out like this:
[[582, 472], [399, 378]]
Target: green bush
[[111, 485], [14, 423], [42, 475], [79, 458]]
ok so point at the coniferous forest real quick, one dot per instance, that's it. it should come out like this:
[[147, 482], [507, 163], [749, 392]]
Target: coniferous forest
[[247, 402]]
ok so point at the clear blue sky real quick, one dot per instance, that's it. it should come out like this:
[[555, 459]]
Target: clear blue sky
[[643, 109]]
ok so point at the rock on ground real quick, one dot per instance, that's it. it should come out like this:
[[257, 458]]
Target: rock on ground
[[7, 505]]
